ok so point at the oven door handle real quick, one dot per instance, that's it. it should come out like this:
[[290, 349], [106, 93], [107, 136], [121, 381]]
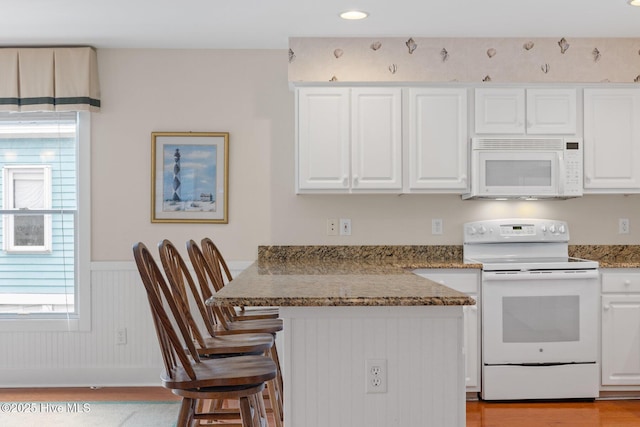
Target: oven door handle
[[539, 275]]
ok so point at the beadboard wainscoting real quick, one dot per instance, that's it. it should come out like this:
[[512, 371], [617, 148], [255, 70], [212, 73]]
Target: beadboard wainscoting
[[324, 366], [93, 358]]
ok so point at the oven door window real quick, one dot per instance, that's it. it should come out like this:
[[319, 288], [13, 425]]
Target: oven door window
[[531, 319]]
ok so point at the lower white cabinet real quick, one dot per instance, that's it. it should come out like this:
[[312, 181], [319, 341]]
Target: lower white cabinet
[[467, 281], [621, 328]]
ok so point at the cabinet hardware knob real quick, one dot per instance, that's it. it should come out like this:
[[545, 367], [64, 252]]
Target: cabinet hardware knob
[[607, 307], [627, 282]]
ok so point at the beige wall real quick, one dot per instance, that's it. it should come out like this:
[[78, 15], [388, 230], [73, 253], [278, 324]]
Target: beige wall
[[246, 93]]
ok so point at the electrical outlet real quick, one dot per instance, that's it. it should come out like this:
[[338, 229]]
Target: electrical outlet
[[121, 336], [332, 227], [623, 226], [436, 226], [345, 227], [375, 375]]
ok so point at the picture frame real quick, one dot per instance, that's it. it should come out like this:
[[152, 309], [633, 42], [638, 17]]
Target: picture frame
[[190, 177]]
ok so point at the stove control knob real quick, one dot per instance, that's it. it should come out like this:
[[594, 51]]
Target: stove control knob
[[471, 230], [543, 228], [562, 229], [482, 229], [552, 228]]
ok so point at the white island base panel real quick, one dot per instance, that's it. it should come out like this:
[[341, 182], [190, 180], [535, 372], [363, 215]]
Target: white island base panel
[[325, 349]]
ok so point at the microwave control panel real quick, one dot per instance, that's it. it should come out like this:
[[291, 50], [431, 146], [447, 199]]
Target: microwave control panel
[[572, 167]]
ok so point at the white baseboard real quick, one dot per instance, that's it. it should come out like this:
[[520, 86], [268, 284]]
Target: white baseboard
[[141, 376]]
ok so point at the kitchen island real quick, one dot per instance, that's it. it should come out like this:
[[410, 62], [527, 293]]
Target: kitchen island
[[341, 314]]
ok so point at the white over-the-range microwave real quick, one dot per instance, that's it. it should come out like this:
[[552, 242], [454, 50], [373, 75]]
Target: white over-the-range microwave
[[525, 168]]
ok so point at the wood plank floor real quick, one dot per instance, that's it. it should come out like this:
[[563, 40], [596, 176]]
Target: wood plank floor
[[603, 413]]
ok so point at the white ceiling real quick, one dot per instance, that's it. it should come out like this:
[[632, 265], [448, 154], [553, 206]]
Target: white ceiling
[[267, 24]]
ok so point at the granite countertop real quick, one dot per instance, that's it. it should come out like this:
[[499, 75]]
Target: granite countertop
[[370, 275], [609, 256], [345, 276]]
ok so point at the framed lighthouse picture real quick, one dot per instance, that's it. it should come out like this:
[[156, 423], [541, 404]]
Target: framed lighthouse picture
[[190, 177]]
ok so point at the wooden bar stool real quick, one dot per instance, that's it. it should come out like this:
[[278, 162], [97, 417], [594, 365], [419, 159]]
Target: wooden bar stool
[[183, 287], [189, 376], [217, 320], [180, 280]]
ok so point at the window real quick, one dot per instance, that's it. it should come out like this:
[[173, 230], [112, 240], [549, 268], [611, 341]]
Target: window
[[27, 189], [44, 262]]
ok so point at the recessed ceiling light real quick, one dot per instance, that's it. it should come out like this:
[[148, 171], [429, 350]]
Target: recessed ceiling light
[[358, 14], [634, 2]]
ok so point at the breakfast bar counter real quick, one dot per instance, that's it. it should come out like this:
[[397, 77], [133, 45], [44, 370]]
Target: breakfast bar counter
[[341, 314], [334, 284]]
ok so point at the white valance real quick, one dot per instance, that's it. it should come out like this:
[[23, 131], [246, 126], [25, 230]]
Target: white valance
[[49, 79]]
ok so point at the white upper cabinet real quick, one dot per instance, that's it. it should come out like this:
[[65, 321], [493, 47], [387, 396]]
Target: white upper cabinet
[[611, 140], [551, 111], [323, 132], [499, 111], [520, 111], [376, 138], [349, 139], [437, 142]]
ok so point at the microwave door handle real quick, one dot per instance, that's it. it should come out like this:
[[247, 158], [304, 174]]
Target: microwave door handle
[[562, 174]]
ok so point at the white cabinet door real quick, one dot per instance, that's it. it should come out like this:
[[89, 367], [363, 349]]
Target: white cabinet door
[[520, 111], [438, 140], [611, 140], [621, 340], [500, 111], [467, 281], [349, 139], [551, 111], [376, 138], [323, 125]]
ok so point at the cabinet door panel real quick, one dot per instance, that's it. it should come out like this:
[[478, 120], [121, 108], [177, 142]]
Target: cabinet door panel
[[551, 111], [323, 138], [621, 340], [611, 139], [376, 138], [438, 139], [499, 111]]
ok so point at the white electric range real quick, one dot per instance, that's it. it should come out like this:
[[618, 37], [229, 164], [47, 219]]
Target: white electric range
[[539, 311]]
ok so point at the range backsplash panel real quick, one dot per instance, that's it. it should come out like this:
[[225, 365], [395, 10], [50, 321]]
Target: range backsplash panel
[[464, 60]]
